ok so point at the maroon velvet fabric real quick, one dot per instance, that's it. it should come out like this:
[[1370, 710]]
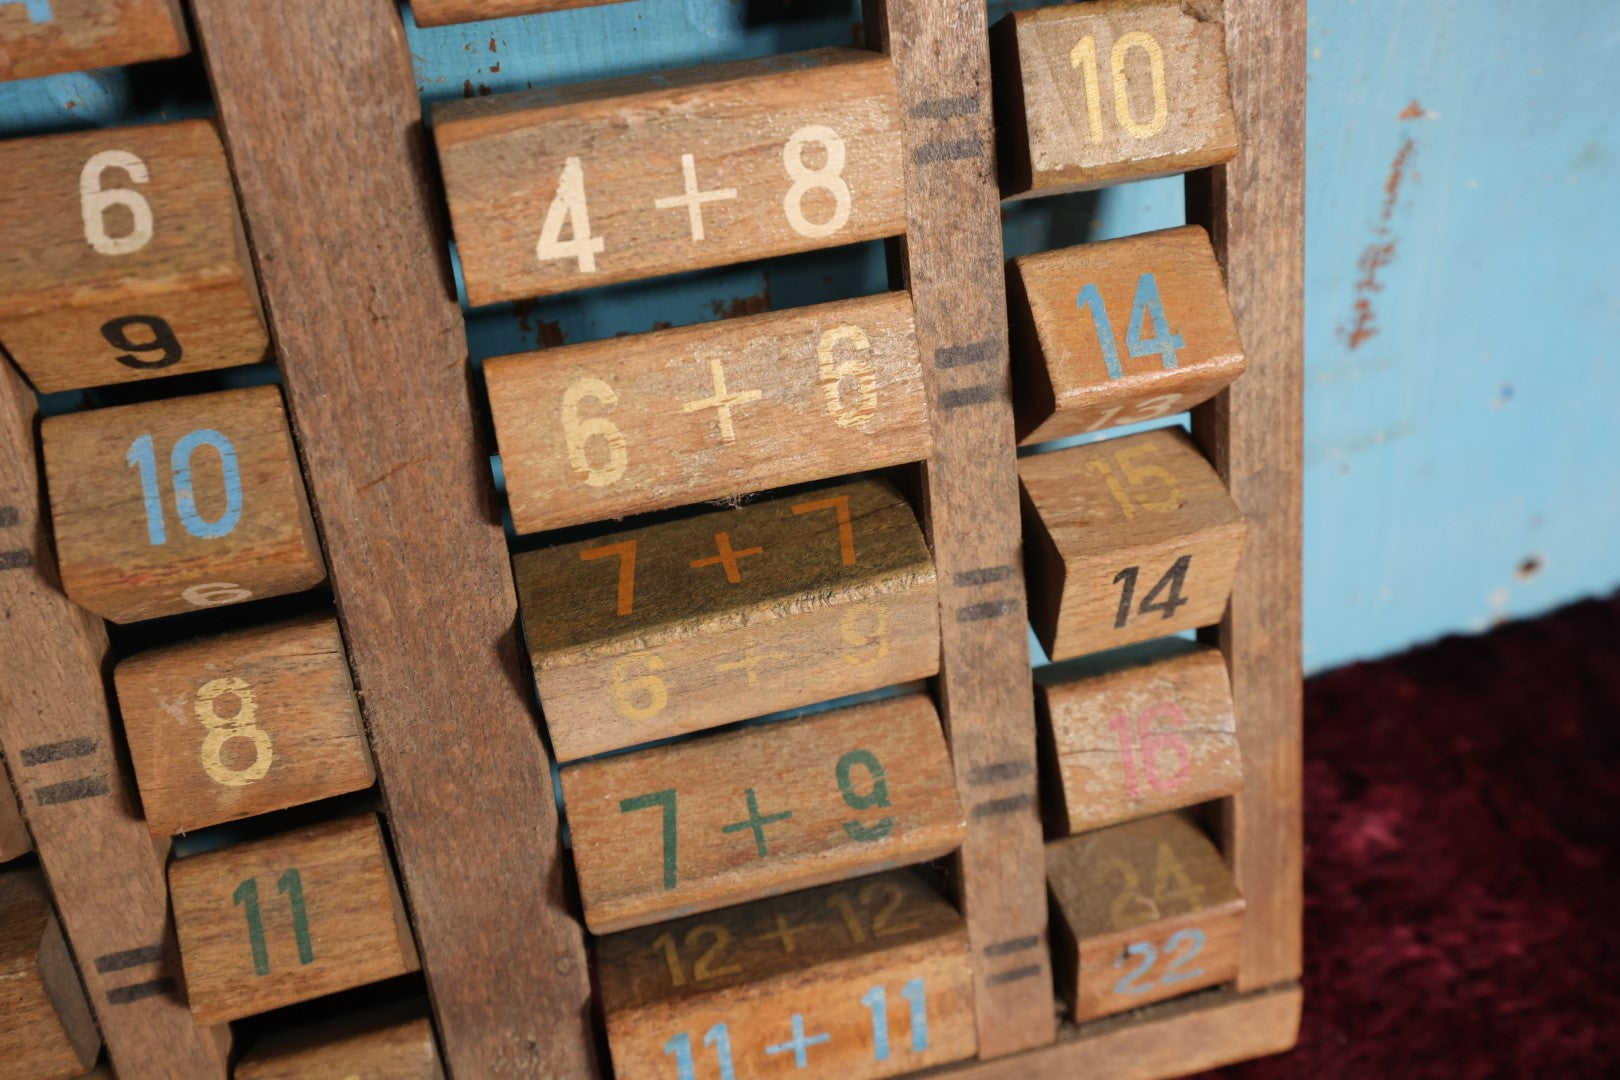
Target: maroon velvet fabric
[[1462, 808]]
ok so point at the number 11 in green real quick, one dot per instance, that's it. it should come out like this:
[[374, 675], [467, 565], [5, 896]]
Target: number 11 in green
[[247, 896]]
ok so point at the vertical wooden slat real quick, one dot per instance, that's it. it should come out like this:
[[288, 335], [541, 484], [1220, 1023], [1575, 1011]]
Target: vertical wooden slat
[[952, 259], [320, 115]]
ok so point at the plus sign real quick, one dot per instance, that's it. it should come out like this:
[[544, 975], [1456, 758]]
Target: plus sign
[[694, 199], [786, 932], [757, 823], [727, 557], [798, 1044], [750, 661], [722, 401]]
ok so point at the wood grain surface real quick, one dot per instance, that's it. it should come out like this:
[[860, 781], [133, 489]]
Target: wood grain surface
[[57, 733], [1141, 912], [170, 506], [440, 12], [878, 965], [1253, 433], [616, 427], [1093, 94], [1150, 732], [242, 724], [288, 918], [48, 1033], [1125, 540], [567, 188], [373, 352], [694, 623], [14, 838], [952, 263], [38, 38], [392, 1042], [760, 810], [122, 256], [1092, 351]]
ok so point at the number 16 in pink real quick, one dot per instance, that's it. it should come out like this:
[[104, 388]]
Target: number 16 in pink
[[1141, 758]]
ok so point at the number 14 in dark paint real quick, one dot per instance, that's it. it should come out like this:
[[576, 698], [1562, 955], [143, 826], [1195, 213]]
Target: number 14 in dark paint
[[1170, 585]]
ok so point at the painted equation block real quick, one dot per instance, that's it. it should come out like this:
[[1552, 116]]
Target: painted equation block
[[567, 188], [865, 978], [629, 424], [1096, 93], [1152, 731], [1125, 540], [242, 724], [1118, 332], [443, 12], [122, 257], [707, 822], [287, 918], [14, 838], [1140, 912], [181, 504], [47, 37], [392, 1042], [47, 1032], [691, 624]]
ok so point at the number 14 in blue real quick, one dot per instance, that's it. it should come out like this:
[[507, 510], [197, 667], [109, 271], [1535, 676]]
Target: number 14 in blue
[[1147, 311]]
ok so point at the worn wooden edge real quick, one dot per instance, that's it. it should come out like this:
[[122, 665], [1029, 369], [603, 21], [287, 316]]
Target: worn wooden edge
[[372, 345], [1254, 208], [1181, 1036]]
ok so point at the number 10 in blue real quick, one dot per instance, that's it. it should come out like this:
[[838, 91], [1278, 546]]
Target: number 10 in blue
[[876, 999]]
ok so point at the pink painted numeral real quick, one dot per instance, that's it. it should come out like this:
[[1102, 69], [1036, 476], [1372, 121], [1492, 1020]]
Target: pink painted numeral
[[1149, 745]]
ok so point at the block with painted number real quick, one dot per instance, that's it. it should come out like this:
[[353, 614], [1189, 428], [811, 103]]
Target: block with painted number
[[614, 427], [390, 1041], [47, 37], [287, 918], [733, 816], [691, 624], [122, 257], [865, 978], [1140, 912], [1138, 734], [242, 724], [48, 1032], [14, 838], [1125, 540], [567, 188], [1118, 332], [1096, 93], [181, 504], [443, 12]]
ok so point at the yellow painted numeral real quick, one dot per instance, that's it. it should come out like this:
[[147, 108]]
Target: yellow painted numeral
[[641, 697], [875, 631], [1084, 55], [222, 729]]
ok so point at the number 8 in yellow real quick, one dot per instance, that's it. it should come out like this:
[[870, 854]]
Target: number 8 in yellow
[[222, 729]]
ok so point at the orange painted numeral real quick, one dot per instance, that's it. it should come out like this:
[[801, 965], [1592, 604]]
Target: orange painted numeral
[[626, 551], [846, 532]]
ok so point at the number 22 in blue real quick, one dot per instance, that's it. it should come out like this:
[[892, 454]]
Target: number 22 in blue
[[1172, 975], [1147, 311], [876, 999], [143, 458], [681, 1046]]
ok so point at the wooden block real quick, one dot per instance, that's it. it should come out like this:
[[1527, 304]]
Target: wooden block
[[288, 918], [14, 838], [691, 624], [1118, 332], [1126, 539], [180, 504], [46, 37], [1092, 94], [396, 1043], [242, 724], [441, 12], [58, 736], [48, 1033], [122, 256], [742, 814], [397, 456], [865, 978], [1151, 733], [650, 174], [1141, 912], [615, 427]]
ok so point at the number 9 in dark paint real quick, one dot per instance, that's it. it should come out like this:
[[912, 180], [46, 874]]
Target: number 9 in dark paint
[[162, 341]]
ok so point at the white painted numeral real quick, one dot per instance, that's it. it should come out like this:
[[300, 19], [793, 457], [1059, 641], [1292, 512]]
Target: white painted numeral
[[828, 178], [568, 205], [215, 594], [835, 369], [94, 201], [579, 432]]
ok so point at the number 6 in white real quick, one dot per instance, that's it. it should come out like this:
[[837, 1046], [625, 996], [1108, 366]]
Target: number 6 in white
[[852, 365], [94, 202], [578, 432], [829, 178]]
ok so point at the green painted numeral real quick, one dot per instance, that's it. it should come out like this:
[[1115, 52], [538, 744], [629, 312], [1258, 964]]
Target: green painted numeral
[[247, 896], [665, 799], [878, 796]]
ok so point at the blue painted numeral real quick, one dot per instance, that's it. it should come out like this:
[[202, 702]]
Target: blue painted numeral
[[142, 457], [915, 993], [876, 999], [1127, 984], [681, 1047], [1147, 311], [1193, 938], [39, 11], [1090, 298]]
